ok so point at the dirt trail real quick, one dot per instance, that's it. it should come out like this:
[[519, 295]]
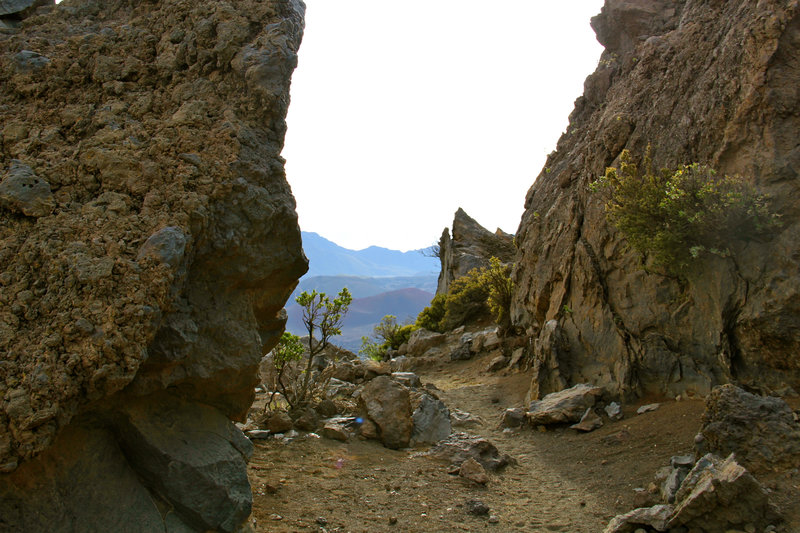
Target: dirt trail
[[564, 481]]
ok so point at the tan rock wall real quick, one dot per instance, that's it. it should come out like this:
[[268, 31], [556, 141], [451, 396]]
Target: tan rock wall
[[709, 82], [170, 242]]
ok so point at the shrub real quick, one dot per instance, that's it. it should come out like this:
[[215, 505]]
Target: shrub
[[482, 292], [677, 216], [431, 317], [387, 335]]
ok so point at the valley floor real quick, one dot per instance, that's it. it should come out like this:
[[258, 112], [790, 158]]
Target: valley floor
[[564, 481]]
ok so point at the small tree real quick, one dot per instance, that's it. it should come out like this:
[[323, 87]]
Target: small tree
[[322, 318], [387, 335], [288, 351], [501, 290]]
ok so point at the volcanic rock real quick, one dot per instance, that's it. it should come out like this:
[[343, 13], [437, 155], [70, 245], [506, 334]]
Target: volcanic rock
[[148, 241], [689, 78]]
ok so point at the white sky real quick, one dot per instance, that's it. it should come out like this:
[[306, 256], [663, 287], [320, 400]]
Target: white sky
[[403, 111]]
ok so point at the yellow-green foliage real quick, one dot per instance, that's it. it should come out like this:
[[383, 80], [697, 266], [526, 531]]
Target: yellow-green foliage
[[431, 317], [677, 216], [387, 335], [482, 292]]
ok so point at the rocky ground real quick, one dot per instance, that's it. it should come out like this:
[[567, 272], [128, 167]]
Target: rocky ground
[[563, 480]]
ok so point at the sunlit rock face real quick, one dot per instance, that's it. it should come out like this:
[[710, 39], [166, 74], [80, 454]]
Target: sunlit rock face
[[708, 82], [148, 241], [470, 246]]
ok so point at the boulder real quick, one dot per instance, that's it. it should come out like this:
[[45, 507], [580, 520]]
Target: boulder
[[148, 242], [459, 447], [387, 404], [305, 419], [655, 517], [718, 495], [567, 406], [431, 419], [761, 431], [194, 457], [423, 340], [13, 7]]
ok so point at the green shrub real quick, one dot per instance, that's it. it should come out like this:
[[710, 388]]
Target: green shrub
[[677, 216], [387, 335], [431, 317], [481, 293], [467, 300]]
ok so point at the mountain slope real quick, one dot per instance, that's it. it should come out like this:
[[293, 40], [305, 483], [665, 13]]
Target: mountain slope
[[327, 258]]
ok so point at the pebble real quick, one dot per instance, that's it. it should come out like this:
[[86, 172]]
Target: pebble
[[392, 520], [322, 521], [494, 519], [276, 517]]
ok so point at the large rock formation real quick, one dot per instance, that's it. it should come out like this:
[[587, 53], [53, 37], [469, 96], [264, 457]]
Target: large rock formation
[[709, 82], [148, 241], [470, 246]]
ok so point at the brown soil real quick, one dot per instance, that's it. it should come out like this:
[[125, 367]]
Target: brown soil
[[564, 481]]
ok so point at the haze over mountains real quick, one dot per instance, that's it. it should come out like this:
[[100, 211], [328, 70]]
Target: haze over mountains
[[382, 282], [327, 258]]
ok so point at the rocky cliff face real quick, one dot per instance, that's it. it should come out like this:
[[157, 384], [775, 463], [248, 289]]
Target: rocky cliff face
[[470, 246], [709, 82], [148, 240]]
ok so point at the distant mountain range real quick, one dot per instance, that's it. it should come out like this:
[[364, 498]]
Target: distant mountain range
[[382, 282], [327, 258]]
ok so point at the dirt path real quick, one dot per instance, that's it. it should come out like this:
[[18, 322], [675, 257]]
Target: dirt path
[[564, 481]]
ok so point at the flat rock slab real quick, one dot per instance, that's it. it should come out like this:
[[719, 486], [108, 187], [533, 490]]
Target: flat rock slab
[[566, 406], [459, 447]]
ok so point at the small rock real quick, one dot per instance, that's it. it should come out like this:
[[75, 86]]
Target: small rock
[[473, 471], [477, 508], [513, 417], [498, 363], [647, 408], [614, 411], [409, 379], [494, 519], [589, 421], [322, 521], [392, 520], [23, 191], [465, 420], [327, 408], [275, 516], [279, 422], [257, 434]]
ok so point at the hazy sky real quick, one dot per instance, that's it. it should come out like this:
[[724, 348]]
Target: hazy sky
[[403, 111]]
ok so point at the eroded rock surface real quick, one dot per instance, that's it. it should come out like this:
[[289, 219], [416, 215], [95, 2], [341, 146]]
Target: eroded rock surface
[[148, 241], [708, 82]]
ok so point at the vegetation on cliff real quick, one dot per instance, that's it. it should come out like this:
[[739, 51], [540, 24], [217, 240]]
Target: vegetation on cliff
[[482, 293], [678, 216]]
